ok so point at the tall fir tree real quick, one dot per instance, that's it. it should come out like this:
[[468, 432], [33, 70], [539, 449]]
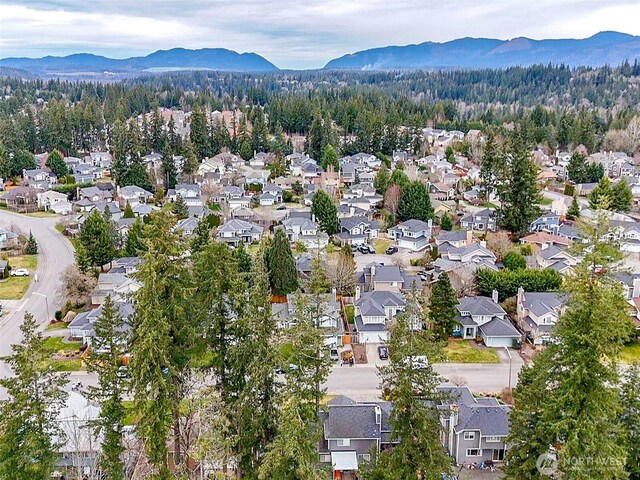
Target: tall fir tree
[[283, 276], [134, 243], [573, 213], [415, 203], [382, 180], [128, 211], [325, 212], [442, 307], [329, 158], [630, 419], [32, 245], [30, 434], [621, 196], [96, 237], [56, 164], [109, 346], [169, 171], [180, 208]]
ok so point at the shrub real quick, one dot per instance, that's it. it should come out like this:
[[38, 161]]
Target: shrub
[[507, 282]]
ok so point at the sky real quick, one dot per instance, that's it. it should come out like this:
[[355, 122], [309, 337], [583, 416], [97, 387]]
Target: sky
[[291, 33]]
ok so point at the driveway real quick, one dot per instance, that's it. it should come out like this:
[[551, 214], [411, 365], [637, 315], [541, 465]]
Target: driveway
[[55, 253]]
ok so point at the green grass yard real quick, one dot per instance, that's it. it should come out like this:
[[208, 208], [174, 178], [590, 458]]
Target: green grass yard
[[380, 245], [14, 288], [464, 351], [630, 353]]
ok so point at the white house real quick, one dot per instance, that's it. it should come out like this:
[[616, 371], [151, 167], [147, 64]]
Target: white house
[[373, 310], [46, 200], [412, 234]]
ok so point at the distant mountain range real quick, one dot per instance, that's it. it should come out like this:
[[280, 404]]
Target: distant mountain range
[[162, 60], [610, 48]]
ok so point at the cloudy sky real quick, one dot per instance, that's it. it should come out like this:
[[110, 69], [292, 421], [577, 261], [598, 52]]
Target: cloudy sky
[[291, 33]]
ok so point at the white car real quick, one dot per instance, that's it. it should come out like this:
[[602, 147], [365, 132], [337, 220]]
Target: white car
[[20, 272]]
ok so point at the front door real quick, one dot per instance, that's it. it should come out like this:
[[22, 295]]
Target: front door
[[468, 332], [498, 455]]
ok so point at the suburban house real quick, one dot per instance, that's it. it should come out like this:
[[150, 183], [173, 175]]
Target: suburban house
[[549, 223], [475, 252], [7, 238], [349, 173], [357, 230], [540, 239], [187, 225], [189, 192], [81, 326], [330, 321], [39, 177], [537, 313], [454, 238], [372, 312], [482, 220], [132, 194], [47, 200], [475, 429], [376, 276], [351, 432], [237, 231], [412, 234], [94, 194], [483, 317], [556, 258], [306, 231], [21, 199]]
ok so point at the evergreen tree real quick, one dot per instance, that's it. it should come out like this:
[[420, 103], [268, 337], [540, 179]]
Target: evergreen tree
[[442, 307], [446, 223], [191, 162], [29, 431], [514, 261], [134, 244], [621, 196], [577, 168], [201, 236], [169, 172], [493, 166], [415, 203], [180, 208], [283, 276], [325, 212], [414, 419], [398, 177], [128, 211], [579, 411], [97, 239], [573, 213], [162, 336], [382, 180], [56, 164], [630, 419], [198, 133], [329, 157], [32, 245], [109, 347], [243, 258], [246, 150], [82, 258], [602, 195], [518, 191]]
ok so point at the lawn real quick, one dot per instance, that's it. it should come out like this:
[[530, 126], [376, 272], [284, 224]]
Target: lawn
[[55, 344], [57, 326], [380, 245], [489, 205], [70, 365], [464, 351], [630, 353], [14, 288], [42, 214], [350, 314], [545, 201], [59, 227]]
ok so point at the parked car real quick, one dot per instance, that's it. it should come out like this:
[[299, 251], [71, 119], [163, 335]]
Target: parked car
[[363, 248], [423, 276], [391, 250], [383, 352], [123, 371], [371, 249], [281, 207], [333, 354], [20, 272]]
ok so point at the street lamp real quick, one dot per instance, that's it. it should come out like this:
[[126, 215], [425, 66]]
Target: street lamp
[[46, 300], [510, 358]]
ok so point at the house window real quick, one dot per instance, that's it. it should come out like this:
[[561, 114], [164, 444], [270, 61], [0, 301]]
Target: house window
[[493, 439], [474, 452], [325, 458], [480, 226], [456, 328], [343, 442], [365, 457], [469, 435]]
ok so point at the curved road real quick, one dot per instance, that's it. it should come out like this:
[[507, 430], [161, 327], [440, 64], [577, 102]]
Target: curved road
[[55, 253]]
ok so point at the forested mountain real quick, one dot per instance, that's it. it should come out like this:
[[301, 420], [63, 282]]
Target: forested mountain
[[174, 59], [604, 48]]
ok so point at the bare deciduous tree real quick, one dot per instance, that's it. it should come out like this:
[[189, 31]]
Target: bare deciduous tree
[[392, 200], [75, 285], [499, 243]]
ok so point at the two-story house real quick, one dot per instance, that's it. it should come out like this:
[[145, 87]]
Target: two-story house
[[39, 177], [373, 310], [482, 220], [474, 429], [190, 193], [325, 309], [484, 317], [237, 231], [376, 276], [413, 235], [474, 252], [454, 238], [306, 231], [559, 259], [548, 222], [537, 313], [132, 194], [357, 230]]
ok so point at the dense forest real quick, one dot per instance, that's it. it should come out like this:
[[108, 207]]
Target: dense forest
[[374, 112]]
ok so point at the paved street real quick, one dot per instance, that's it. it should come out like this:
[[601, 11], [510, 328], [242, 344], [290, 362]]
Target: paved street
[[54, 254]]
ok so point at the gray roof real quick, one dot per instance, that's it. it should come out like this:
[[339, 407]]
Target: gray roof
[[349, 223], [452, 236], [481, 414], [372, 303], [388, 273], [541, 303], [412, 226], [498, 327], [480, 306], [352, 421]]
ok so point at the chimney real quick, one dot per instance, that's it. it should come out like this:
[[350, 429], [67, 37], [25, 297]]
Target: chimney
[[357, 292], [520, 297], [378, 415], [335, 294], [494, 296], [469, 237], [483, 243], [373, 271]]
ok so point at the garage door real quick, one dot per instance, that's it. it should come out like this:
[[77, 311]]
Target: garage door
[[372, 337], [498, 342]]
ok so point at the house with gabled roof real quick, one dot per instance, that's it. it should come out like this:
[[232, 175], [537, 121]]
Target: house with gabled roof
[[484, 317], [376, 276], [237, 231], [411, 234], [482, 220], [373, 311], [537, 314], [357, 230], [326, 309], [547, 222], [556, 258], [305, 231]]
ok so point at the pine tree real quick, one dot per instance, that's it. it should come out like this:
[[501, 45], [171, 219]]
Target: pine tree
[[602, 195], [243, 258], [446, 223], [56, 164], [198, 133], [191, 162], [573, 213], [97, 239], [32, 245], [415, 203], [514, 261], [518, 191], [29, 432], [621, 196], [283, 276], [108, 347], [442, 307], [169, 172], [134, 244], [382, 180], [414, 419], [493, 166], [201, 236], [579, 411], [325, 212], [246, 150], [128, 211], [162, 336], [577, 168], [329, 157], [180, 208], [630, 419]]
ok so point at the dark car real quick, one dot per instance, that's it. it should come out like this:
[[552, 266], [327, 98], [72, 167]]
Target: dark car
[[281, 207], [391, 250], [370, 249], [363, 248], [383, 352]]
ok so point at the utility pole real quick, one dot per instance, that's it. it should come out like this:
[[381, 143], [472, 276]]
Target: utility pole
[[46, 299]]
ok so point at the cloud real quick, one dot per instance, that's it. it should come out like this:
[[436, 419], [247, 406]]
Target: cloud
[[291, 33]]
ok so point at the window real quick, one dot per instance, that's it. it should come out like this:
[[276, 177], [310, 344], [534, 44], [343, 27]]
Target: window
[[365, 457], [493, 439], [343, 442], [474, 452], [469, 435], [480, 226], [325, 457]]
